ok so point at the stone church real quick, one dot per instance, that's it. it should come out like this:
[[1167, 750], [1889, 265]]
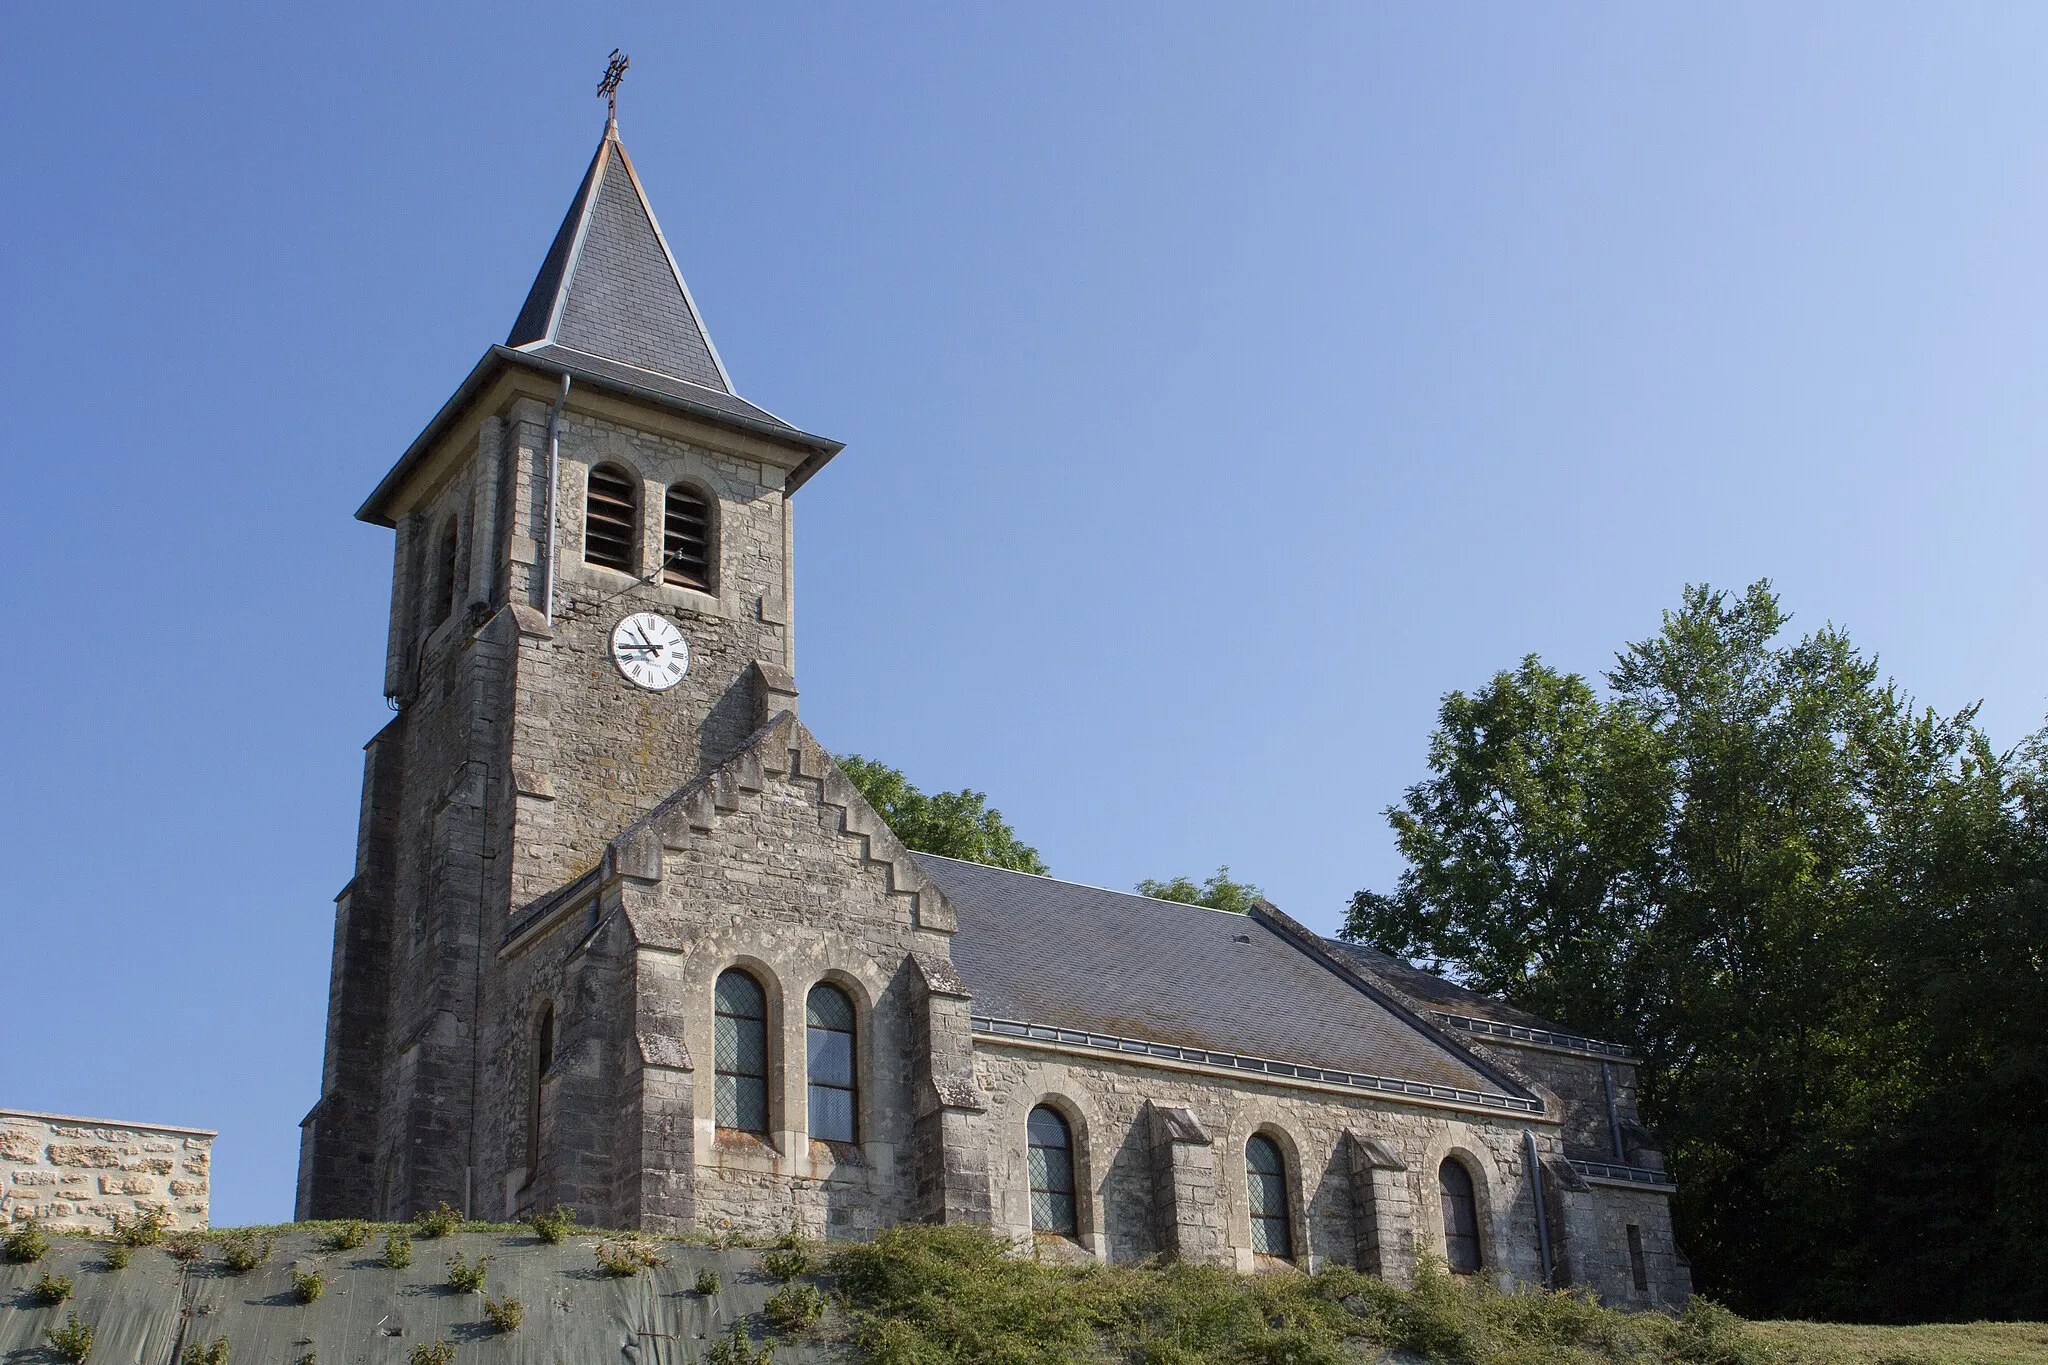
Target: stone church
[[621, 935]]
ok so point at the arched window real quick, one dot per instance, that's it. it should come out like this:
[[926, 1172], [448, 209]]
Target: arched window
[[609, 521], [1051, 1158], [1461, 1216], [543, 1062], [740, 1092], [828, 1056], [686, 538], [1266, 1181], [443, 587]]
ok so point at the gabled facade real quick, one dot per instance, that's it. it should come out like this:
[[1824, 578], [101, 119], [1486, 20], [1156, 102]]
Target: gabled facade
[[622, 936]]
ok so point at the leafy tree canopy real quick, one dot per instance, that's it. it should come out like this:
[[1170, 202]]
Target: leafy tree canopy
[[1218, 893], [957, 824], [1820, 913]]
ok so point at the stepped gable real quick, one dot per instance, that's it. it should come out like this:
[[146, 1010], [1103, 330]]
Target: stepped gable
[[1056, 953]]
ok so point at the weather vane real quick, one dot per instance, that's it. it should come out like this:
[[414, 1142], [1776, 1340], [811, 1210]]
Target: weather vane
[[614, 72]]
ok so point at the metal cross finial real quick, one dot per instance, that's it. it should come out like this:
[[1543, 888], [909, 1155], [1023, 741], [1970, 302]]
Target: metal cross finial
[[614, 72]]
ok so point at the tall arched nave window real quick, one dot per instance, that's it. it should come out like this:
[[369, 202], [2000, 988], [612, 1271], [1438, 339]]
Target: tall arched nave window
[[740, 1084]]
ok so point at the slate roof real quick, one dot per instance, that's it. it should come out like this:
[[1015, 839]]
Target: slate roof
[[1042, 951], [610, 309], [609, 286], [1427, 990]]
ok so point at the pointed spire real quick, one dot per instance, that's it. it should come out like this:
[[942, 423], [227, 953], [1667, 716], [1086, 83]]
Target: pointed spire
[[610, 286]]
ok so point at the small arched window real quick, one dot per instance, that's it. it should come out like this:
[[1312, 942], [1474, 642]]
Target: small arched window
[[443, 586], [828, 1057], [1266, 1182], [1461, 1216], [740, 1090], [609, 519], [686, 538], [1051, 1158], [543, 1062]]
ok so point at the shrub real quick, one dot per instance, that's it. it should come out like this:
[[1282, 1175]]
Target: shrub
[[398, 1249], [438, 1221], [795, 1308], [463, 1277], [707, 1279], [308, 1285], [51, 1289], [146, 1229], [72, 1341], [626, 1256], [735, 1349], [26, 1242], [185, 1246], [432, 1353], [923, 1293], [504, 1313], [349, 1236], [242, 1251], [119, 1254], [214, 1352], [787, 1262], [554, 1226]]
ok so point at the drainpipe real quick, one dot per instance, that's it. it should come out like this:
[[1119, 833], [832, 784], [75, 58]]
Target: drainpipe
[[1536, 1193], [554, 478], [1613, 1114]]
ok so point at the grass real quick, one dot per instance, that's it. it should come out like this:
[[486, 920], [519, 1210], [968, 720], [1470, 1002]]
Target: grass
[[1939, 1343]]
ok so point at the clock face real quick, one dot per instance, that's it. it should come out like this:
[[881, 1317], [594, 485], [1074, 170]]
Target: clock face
[[650, 651]]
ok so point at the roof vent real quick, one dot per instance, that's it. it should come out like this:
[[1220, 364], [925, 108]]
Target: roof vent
[[1241, 938]]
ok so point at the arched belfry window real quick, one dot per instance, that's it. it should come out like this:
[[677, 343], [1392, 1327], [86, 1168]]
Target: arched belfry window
[[543, 1062], [444, 586], [740, 1091], [1266, 1182], [828, 1057], [1461, 1216], [610, 519], [686, 548], [1051, 1158]]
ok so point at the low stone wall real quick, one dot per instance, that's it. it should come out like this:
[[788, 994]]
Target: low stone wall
[[77, 1173]]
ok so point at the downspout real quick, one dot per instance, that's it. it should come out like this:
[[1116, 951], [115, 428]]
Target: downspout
[[554, 478], [1613, 1114], [1536, 1193]]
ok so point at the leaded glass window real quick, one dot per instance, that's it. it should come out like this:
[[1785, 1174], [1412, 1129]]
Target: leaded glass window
[[740, 1092], [1051, 1156], [1266, 1181], [828, 1058], [1461, 1217]]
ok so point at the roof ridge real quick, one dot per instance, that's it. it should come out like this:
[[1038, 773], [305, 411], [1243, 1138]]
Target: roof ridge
[[1091, 886]]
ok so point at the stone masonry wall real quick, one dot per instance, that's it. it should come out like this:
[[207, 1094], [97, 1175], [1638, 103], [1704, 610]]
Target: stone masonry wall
[[77, 1173], [761, 866], [1106, 1107]]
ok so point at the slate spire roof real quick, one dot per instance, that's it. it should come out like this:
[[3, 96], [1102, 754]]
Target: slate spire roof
[[610, 286], [610, 310]]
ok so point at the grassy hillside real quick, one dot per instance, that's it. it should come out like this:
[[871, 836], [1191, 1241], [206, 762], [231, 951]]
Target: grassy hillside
[[331, 1294]]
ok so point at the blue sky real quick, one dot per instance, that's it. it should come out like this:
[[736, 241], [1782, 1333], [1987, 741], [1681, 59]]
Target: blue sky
[[1221, 386]]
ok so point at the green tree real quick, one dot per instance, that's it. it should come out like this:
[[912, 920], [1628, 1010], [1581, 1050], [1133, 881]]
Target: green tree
[[957, 824], [1764, 869], [1218, 893]]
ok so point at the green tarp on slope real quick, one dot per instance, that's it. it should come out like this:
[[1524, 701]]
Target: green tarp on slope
[[371, 1315]]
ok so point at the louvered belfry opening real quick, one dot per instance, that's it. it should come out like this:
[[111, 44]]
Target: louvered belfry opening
[[686, 538], [608, 519]]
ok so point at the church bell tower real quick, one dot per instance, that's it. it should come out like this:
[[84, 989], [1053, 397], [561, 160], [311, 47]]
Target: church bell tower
[[591, 603]]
